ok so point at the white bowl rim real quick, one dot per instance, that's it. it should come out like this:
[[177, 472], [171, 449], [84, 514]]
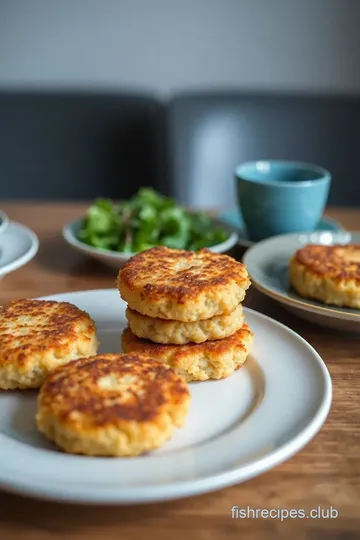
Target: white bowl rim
[[70, 237], [4, 221]]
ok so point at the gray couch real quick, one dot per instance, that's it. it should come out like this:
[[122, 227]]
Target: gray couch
[[77, 145], [210, 133]]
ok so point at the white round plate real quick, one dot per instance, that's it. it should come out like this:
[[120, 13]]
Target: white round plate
[[116, 259], [18, 245], [268, 261], [264, 413]]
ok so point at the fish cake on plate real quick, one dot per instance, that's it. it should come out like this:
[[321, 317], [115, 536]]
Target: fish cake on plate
[[36, 336], [176, 332], [112, 405], [329, 274], [196, 361], [182, 285]]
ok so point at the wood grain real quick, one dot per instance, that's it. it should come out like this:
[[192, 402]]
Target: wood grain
[[326, 472]]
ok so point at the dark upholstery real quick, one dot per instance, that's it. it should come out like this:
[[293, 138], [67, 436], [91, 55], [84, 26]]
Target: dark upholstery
[[209, 134], [56, 145]]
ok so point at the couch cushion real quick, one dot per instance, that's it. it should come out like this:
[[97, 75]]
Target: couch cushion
[[67, 145], [211, 133]]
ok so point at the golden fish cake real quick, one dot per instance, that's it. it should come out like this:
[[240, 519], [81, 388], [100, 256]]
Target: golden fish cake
[[36, 336], [182, 285], [196, 362], [112, 405], [329, 274], [167, 331]]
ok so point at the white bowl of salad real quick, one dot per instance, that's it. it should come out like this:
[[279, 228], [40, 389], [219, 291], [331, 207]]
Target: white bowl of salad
[[113, 232]]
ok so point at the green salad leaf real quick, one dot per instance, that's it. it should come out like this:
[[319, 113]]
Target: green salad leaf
[[148, 219]]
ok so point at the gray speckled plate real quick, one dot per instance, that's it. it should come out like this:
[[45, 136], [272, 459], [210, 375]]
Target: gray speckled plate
[[267, 264]]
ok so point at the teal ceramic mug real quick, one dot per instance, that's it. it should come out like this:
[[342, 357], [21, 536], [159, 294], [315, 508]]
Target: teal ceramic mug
[[278, 196]]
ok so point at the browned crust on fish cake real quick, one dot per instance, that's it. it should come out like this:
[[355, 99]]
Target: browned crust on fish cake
[[339, 262], [182, 285], [60, 326], [112, 405], [329, 274], [38, 335], [75, 387], [197, 361]]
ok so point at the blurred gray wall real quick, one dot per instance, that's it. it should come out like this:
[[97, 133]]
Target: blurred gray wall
[[168, 45]]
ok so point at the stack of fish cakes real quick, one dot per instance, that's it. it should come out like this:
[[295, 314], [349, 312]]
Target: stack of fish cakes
[[184, 309]]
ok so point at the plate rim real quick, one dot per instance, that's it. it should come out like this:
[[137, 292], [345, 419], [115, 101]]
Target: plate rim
[[37, 488], [28, 255], [300, 303]]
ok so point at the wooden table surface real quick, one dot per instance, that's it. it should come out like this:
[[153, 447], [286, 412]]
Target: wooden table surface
[[325, 473]]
